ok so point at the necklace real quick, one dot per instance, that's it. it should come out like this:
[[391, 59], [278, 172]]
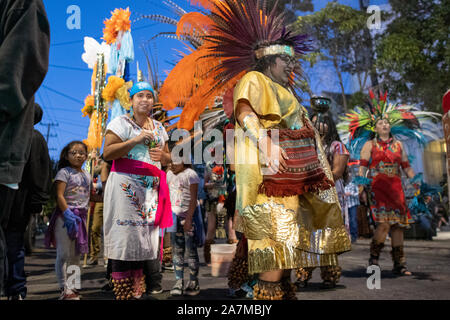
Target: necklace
[[148, 125]]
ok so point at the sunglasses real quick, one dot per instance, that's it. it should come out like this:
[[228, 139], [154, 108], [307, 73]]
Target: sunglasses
[[288, 59]]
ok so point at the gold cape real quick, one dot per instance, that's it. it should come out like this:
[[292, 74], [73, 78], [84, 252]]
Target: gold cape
[[282, 232]]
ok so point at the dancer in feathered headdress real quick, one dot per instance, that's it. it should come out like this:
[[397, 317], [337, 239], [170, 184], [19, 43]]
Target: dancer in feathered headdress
[[376, 135], [406, 122], [248, 48]]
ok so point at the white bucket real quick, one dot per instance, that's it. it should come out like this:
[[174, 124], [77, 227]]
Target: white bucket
[[221, 257]]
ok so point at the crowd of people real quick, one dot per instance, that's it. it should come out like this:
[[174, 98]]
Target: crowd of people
[[296, 208]]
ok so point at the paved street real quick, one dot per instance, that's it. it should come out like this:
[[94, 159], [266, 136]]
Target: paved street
[[428, 260]]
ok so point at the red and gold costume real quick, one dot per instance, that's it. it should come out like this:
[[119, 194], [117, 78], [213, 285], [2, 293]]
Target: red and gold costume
[[388, 205], [388, 199]]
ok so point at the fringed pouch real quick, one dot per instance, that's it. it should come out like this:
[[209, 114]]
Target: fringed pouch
[[305, 172]]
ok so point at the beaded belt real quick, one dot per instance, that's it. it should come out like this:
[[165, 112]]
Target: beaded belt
[[389, 169]]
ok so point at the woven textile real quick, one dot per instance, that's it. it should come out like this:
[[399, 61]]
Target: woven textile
[[305, 173]]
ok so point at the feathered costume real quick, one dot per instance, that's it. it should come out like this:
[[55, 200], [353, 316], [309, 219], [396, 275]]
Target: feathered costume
[[406, 121], [388, 202], [283, 232], [384, 160]]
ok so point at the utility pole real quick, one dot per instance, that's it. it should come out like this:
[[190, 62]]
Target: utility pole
[[49, 125]]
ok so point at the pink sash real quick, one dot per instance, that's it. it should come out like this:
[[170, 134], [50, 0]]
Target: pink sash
[[163, 217]]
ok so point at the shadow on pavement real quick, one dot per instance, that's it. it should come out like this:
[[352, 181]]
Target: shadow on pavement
[[386, 274], [317, 286], [422, 276], [206, 294], [33, 273]]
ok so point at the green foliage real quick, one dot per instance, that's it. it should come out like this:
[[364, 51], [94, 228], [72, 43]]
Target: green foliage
[[291, 6], [357, 99], [338, 32], [413, 54]]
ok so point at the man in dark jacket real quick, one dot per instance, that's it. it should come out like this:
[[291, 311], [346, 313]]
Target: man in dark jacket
[[24, 53], [33, 193]]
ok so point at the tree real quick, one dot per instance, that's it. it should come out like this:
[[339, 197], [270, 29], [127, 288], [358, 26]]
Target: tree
[[291, 6], [338, 33], [413, 54]]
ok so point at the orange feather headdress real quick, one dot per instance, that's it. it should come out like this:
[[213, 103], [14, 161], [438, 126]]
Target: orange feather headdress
[[232, 34]]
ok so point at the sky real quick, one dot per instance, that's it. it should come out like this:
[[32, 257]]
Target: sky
[[68, 80]]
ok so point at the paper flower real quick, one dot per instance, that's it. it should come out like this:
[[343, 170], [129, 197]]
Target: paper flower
[[119, 21], [89, 104], [123, 95], [114, 83], [91, 49], [117, 89]]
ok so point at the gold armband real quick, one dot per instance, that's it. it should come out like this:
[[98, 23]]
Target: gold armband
[[253, 127]]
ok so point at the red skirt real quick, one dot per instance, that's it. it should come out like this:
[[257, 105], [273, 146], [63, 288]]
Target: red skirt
[[388, 204]]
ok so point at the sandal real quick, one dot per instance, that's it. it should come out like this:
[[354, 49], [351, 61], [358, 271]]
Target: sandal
[[398, 257], [402, 270]]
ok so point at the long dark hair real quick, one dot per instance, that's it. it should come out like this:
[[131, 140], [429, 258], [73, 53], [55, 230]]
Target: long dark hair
[[265, 62], [331, 136], [64, 157]]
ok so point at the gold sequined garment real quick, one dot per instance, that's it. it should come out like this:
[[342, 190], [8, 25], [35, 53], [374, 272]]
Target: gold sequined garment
[[282, 232]]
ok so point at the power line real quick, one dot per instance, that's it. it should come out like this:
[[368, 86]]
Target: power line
[[99, 38], [51, 105], [50, 116], [49, 126], [79, 69], [65, 43], [70, 68], [74, 124], [64, 95], [71, 132], [64, 110]]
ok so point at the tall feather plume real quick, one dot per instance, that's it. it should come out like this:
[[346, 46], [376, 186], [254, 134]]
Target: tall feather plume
[[194, 41], [179, 11], [194, 24], [182, 81], [158, 18], [240, 28], [232, 31], [206, 4]]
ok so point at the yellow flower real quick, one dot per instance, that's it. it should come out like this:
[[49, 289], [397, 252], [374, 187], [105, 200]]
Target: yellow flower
[[89, 104], [114, 84]]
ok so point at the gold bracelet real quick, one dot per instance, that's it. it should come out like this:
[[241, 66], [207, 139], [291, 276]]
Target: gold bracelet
[[252, 126]]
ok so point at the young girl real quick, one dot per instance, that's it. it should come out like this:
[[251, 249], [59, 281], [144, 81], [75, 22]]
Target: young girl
[[183, 185], [67, 229]]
